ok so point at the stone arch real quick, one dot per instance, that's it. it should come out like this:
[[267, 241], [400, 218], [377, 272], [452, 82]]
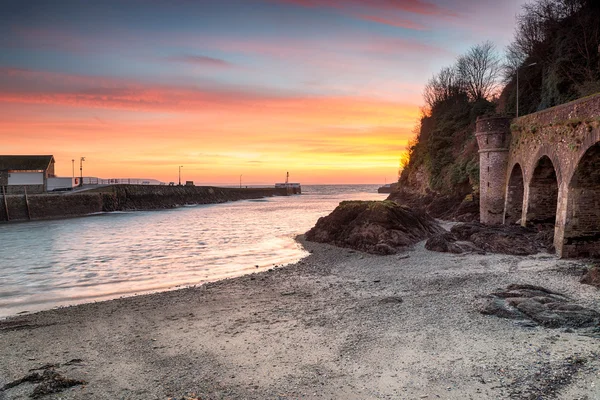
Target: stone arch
[[549, 152], [515, 191], [582, 224], [543, 192]]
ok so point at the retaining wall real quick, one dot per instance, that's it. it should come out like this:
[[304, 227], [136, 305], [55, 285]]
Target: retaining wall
[[121, 198]]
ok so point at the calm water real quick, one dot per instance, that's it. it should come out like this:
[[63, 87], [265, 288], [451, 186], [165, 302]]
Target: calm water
[[52, 263]]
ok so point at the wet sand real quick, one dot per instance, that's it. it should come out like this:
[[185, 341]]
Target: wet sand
[[337, 325]]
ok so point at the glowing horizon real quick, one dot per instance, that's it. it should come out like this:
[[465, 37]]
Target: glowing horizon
[[329, 90]]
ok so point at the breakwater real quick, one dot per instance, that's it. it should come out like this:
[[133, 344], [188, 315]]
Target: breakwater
[[121, 198]]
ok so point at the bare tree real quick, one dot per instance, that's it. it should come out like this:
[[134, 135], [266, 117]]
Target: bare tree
[[478, 70], [514, 58], [442, 86]]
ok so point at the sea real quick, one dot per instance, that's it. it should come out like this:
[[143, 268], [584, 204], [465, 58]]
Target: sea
[[48, 264]]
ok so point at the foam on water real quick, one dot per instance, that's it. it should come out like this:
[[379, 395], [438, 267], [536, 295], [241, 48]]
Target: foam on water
[[45, 264]]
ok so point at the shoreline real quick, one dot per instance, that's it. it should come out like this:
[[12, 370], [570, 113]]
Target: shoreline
[[337, 324]]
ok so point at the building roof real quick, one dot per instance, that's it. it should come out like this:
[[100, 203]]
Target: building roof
[[25, 163]]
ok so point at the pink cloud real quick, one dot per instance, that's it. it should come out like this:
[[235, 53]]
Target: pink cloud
[[201, 61], [41, 87], [332, 52], [369, 10], [412, 6], [399, 23]]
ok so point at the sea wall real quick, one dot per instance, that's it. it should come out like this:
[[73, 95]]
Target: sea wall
[[121, 198], [136, 197]]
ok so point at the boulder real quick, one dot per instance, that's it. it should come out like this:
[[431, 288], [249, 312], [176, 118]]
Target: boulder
[[592, 277], [443, 243], [377, 227]]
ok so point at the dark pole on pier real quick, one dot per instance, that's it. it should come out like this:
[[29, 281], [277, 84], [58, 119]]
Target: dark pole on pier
[[181, 166], [81, 160], [240, 181]]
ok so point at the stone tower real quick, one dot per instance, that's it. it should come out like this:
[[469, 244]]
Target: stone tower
[[493, 138]]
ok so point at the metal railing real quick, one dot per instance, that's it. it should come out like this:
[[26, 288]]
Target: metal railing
[[119, 181]]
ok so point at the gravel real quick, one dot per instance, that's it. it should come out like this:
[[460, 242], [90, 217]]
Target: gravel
[[339, 324]]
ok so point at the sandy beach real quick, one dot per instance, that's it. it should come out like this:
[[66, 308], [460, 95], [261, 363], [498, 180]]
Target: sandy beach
[[339, 324]]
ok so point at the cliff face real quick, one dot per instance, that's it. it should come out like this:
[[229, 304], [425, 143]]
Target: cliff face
[[559, 63], [444, 157]]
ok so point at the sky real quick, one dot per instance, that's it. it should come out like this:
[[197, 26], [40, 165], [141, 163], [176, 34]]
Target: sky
[[327, 90]]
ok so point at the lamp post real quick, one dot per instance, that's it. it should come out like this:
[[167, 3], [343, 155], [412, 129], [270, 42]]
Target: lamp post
[[181, 166], [73, 167], [240, 181], [81, 160], [530, 65]]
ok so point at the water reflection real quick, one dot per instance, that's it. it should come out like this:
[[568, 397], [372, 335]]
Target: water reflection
[[50, 263]]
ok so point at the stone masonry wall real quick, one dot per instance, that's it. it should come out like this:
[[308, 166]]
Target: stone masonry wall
[[563, 134], [514, 197], [20, 189], [120, 198], [493, 138]]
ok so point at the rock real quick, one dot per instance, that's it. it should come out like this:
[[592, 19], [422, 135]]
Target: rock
[[506, 239], [452, 208], [540, 305], [391, 300], [499, 308], [464, 231], [49, 382], [377, 227], [443, 243], [592, 277]]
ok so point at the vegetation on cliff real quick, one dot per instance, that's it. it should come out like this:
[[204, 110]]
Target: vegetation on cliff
[[443, 157], [556, 54]]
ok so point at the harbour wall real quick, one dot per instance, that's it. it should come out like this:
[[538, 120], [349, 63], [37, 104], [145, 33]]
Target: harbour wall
[[121, 198]]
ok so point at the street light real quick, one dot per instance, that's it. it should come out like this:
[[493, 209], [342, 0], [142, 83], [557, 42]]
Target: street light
[[240, 181], [73, 166], [181, 166], [81, 160], [530, 65]]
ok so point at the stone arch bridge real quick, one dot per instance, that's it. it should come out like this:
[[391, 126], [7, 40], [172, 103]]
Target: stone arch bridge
[[544, 168]]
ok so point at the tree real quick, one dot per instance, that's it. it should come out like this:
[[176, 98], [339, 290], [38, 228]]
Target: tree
[[561, 37], [478, 71], [441, 87]]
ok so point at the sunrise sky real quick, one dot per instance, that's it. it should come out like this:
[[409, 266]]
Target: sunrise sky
[[328, 90]]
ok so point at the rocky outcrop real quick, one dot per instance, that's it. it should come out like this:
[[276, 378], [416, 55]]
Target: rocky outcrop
[[377, 227], [450, 208], [504, 239], [538, 305], [592, 277], [443, 243]]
